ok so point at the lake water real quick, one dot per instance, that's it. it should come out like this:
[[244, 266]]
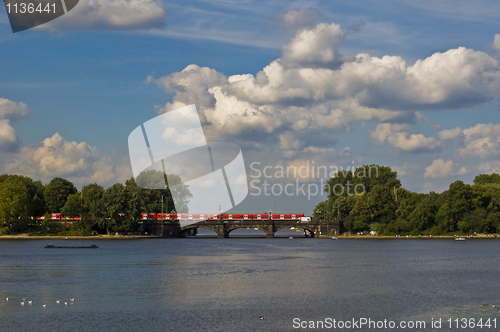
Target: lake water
[[203, 284]]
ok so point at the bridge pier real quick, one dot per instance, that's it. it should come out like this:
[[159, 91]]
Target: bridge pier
[[223, 228]]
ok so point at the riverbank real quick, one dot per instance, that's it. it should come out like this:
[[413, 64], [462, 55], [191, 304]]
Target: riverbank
[[118, 237], [56, 237], [422, 237]]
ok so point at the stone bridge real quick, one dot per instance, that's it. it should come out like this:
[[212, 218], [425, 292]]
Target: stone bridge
[[168, 228]]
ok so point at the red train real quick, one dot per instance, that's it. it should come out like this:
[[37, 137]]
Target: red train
[[201, 216], [225, 216], [58, 216]]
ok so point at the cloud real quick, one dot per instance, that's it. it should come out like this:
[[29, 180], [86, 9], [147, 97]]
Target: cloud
[[397, 136], [9, 112], [440, 169], [111, 15], [404, 170], [496, 42], [77, 162], [316, 47], [190, 86], [294, 20], [454, 79], [482, 140], [9, 142], [289, 145], [431, 186], [450, 133], [312, 88], [12, 110], [489, 167]]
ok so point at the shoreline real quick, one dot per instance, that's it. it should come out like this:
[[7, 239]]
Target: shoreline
[[63, 237], [427, 237], [128, 237]]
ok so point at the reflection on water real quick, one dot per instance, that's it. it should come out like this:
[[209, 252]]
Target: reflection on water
[[226, 284]]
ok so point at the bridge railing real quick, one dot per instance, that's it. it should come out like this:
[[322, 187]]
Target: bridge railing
[[257, 222]]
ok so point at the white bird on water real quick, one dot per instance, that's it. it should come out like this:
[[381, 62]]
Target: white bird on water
[[57, 301], [22, 303], [65, 303], [44, 305], [72, 300], [30, 302], [6, 299]]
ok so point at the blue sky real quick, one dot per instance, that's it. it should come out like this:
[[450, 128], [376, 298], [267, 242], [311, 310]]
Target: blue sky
[[341, 85]]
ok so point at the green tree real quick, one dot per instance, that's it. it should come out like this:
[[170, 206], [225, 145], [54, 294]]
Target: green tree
[[13, 200], [445, 218], [135, 199], [35, 205], [154, 185], [423, 216], [407, 201], [362, 213], [92, 201], [463, 226], [57, 192], [372, 175], [487, 178], [343, 206], [114, 200], [321, 211], [73, 206]]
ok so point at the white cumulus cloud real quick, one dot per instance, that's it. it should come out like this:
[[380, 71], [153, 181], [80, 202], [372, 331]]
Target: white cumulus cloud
[[77, 162], [450, 133], [481, 140], [296, 19], [397, 135], [313, 88], [440, 169], [316, 47], [9, 141], [496, 42], [9, 112], [111, 15]]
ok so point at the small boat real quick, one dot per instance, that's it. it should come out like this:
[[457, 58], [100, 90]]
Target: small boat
[[459, 239], [334, 238], [290, 237], [67, 247]]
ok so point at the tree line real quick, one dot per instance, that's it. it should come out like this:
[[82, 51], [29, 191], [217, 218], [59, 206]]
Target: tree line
[[114, 209], [383, 206]]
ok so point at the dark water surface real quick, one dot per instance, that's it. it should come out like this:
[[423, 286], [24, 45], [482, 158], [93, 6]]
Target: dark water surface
[[226, 284]]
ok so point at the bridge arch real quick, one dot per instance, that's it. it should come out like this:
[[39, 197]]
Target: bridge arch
[[308, 228], [260, 228], [187, 229]]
